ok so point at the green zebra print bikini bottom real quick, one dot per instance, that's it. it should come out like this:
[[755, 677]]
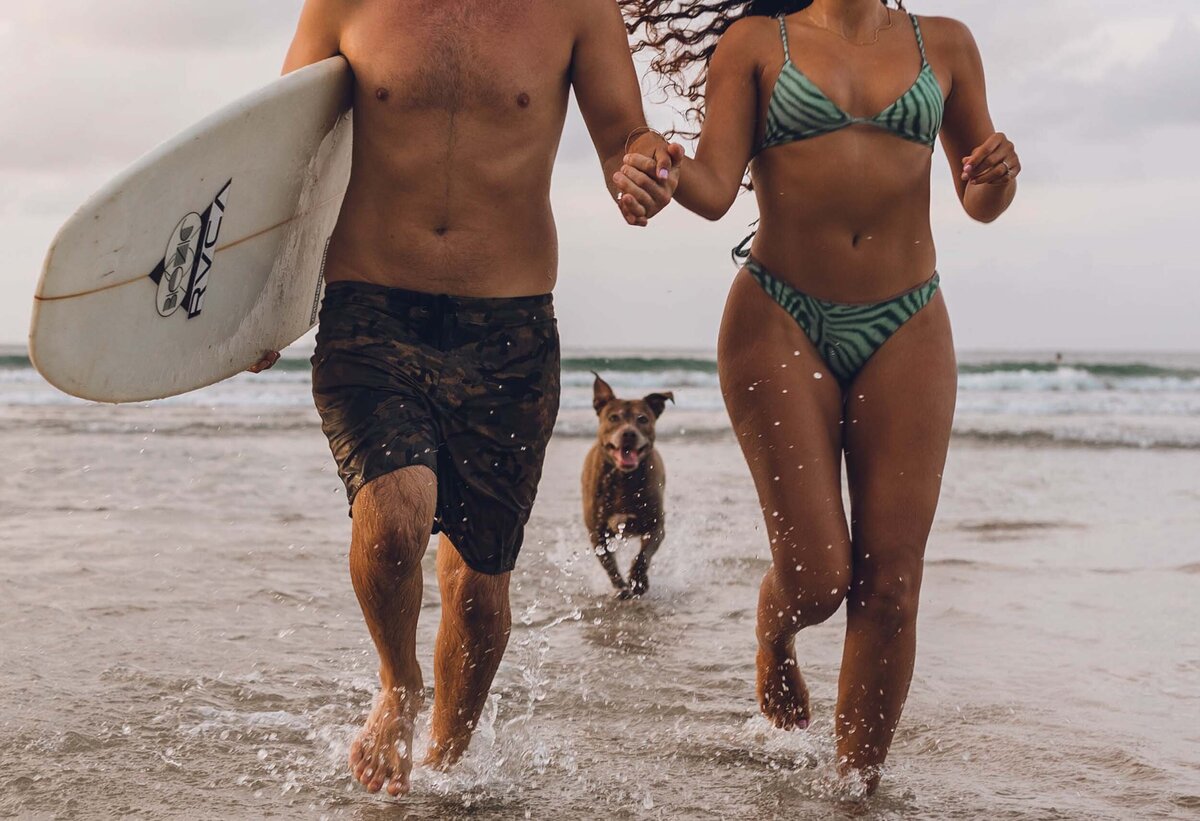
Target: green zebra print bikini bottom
[[845, 335]]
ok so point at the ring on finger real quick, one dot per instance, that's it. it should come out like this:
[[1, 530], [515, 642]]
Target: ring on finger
[[1008, 169]]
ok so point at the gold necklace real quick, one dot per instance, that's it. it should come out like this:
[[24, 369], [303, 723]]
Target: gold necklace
[[855, 42]]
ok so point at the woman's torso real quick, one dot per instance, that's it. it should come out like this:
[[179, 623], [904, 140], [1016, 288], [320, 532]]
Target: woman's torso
[[845, 215]]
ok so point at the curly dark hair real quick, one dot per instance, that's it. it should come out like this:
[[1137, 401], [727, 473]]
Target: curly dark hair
[[683, 35]]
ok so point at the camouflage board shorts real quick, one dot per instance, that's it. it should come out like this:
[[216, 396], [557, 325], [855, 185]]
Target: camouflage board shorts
[[466, 386]]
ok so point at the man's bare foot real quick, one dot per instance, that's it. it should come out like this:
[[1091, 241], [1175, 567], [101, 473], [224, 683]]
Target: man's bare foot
[[381, 756], [859, 782], [782, 695], [443, 755]]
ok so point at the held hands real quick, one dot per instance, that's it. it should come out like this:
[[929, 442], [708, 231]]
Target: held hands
[[646, 184], [993, 163]]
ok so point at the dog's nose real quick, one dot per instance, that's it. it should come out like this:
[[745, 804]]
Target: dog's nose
[[629, 438]]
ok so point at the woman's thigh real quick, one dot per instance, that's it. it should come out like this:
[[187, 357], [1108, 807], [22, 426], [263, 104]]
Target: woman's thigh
[[899, 412], [786, 411]]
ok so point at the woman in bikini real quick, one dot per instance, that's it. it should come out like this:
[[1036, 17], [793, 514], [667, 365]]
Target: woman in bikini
[[835, 339]]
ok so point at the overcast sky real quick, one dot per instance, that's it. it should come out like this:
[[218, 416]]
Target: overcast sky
[[1100, 97]]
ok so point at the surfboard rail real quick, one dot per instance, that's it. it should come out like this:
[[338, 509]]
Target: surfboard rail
[[202, 253]]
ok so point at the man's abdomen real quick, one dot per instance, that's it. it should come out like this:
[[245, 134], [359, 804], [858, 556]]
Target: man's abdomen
[[451, 194], [468, 255]]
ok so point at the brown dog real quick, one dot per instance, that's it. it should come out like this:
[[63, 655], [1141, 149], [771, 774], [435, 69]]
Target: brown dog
[[623, 483]]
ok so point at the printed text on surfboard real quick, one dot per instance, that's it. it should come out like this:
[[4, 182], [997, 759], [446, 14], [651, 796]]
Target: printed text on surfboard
[[182, 276]]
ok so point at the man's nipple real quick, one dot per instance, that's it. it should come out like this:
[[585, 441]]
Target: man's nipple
[[382, 94], [523, 100]]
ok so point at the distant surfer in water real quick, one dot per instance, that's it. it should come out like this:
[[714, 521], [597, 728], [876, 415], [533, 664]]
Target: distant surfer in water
[[436, 371], [835, 341]]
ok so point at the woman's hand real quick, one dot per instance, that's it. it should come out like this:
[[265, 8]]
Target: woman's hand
[[995, 162], [647, 184], [268, 360]]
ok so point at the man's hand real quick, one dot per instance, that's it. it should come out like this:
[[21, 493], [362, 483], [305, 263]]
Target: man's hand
[[647, 182], [268, 361]]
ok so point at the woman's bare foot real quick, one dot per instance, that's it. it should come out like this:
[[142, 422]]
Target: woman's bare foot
[[782, 695], [381, 756]]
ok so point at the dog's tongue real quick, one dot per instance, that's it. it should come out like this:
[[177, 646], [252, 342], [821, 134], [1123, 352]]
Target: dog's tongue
[[628, 458]]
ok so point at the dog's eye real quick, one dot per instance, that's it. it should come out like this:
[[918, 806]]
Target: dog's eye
[[643, 420], [614, 417]]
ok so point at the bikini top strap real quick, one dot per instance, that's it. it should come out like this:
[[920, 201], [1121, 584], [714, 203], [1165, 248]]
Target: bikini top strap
[[787, 53], [920, 39]]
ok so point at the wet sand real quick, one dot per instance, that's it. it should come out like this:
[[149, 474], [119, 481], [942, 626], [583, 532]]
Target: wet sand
[[181, 639]]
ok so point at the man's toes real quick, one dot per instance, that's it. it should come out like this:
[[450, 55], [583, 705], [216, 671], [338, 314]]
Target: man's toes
[[399, 785], [377, 781], [360, 767]]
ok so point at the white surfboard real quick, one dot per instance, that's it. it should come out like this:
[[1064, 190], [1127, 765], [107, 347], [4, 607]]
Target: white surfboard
[[205, 253]]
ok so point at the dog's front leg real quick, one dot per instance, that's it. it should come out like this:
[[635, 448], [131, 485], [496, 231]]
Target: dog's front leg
[[602, 547], [639, 571]]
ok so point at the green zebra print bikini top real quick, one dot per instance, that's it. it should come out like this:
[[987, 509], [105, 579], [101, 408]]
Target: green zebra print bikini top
[[799, 110]]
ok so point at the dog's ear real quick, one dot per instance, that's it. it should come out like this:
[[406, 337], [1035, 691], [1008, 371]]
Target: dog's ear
[[658, 402], [602, 394]]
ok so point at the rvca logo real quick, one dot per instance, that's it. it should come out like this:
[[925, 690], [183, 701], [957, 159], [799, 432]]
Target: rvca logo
[[182, 276]]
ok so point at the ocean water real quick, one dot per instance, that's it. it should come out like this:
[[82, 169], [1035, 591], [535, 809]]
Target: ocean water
[[181, 640], [1102, 400]]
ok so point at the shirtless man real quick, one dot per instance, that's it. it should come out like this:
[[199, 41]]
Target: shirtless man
[[436, 369]]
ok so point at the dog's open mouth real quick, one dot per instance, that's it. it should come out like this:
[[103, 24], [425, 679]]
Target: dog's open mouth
[[627, 458]]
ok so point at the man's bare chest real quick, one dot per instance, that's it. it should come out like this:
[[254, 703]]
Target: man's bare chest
[[458, 54]]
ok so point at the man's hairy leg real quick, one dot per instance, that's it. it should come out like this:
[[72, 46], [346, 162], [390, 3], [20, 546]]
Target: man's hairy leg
[[393, 518], [472, 636]]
